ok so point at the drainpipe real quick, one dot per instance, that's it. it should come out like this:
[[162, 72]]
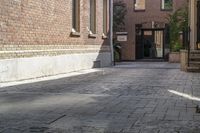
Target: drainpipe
[[111, 30]]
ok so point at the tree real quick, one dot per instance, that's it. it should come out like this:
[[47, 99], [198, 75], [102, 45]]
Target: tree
[[119, 13], [178, 22]]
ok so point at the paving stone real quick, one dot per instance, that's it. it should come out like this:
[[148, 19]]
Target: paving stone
[[128, 98], [186, 116]]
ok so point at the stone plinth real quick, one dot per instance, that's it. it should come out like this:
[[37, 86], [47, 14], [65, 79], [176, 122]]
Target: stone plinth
[[184, 59]]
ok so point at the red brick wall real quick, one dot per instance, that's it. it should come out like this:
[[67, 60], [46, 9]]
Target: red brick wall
[[152, 13], [45, 24]]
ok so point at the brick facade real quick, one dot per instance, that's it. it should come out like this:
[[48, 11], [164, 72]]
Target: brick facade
[[42, 25], [36, 39], [151, 13]]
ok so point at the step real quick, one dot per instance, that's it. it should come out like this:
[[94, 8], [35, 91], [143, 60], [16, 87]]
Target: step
[[195, 58], [195, 62], [150, 60], [195, 52], [195, 55], [193, 69]]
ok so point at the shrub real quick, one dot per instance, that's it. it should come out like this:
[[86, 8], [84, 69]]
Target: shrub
[[178, 22]]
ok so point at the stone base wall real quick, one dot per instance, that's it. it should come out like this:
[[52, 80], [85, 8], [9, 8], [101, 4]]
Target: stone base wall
[[27, 68], [174, 57], [20, 62]]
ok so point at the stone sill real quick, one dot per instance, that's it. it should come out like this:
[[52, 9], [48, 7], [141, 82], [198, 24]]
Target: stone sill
[[75, 34], [104, 37], [92, 35]]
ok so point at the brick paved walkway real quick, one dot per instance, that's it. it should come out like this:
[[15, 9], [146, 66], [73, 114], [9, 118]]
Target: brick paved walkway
[[130, 98]]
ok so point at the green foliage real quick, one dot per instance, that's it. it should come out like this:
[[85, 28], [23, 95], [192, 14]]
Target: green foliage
[[185, 18], [168, 4], [116, 55], [119, 13], [117, 51], [176, 47], [178, 21]]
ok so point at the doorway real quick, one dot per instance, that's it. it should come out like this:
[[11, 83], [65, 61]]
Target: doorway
[[150, 44]]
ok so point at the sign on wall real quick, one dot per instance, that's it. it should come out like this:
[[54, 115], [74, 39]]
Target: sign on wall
[[122, 38], [148, 33]]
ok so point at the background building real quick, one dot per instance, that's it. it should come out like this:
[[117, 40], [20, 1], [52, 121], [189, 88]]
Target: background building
[[191, 57], [49, 37], [145, 24], [194, 17]]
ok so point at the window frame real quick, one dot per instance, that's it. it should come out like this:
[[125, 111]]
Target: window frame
[[75, 17], [139, 10], [92, 17], [163, 9], [105, 17]]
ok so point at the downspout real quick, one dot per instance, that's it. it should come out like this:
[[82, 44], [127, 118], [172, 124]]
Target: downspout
[[111, 30]]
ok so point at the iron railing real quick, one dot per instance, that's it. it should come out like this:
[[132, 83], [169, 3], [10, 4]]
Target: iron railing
[[186, 42]]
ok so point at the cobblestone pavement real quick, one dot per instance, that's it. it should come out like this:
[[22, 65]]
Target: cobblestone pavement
[[129, 98]]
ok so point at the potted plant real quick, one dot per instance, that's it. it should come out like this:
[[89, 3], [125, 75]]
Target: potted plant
[[178, 21], [117, 52]]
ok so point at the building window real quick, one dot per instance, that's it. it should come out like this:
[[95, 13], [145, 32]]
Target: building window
[[76, 16], [105, 15], [93, 16], [166, 4], [139, 5]]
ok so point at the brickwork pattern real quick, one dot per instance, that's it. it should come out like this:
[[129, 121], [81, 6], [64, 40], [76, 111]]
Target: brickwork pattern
[[25, 24], [22, 51]]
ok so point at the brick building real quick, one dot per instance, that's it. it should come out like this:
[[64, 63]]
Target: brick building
[[194, 16], [191, 56], [145, 24], [49, 37]]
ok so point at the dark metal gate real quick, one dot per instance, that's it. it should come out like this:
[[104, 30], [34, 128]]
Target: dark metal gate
[[150, 44]]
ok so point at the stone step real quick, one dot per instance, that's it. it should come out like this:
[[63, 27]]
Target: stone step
[[195, 58], [195, 55], [193, 69], [195, 52], [150, 60], [195, 62]]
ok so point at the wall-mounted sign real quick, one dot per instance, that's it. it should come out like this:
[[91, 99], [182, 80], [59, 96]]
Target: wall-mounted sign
[[148, 33], [122, 38]]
